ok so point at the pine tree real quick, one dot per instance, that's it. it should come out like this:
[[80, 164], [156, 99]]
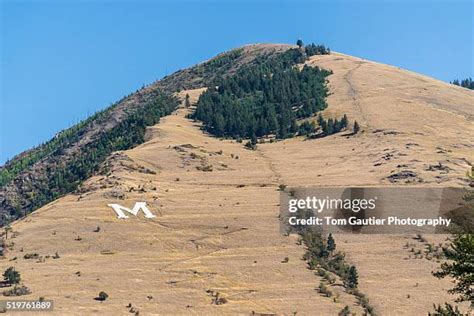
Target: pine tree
[[330, 127], [11, 276], [352, 278], [337, 126], [356, 127], [293, 126], [219, 125], [320, 120], [299, 42], [306, 128], [344, 121], [460, 266], [331, 243], [324, 127], [253, 139], [187, 103]]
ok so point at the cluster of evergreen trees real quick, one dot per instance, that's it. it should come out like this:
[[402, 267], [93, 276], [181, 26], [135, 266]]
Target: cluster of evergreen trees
[[266, 97], [326, 126], [322, 256], [332, 126], [306, 128], [465, 83], [313, 49], [65, 176], [223, 60], [218, 65], [60, 141], [321, 253]]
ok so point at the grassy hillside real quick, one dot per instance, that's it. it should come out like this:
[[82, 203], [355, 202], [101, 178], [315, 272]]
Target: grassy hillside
[[59, 166], [215, 246], [64, 176]]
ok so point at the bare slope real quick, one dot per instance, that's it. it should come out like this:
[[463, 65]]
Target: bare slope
[[217, 231]]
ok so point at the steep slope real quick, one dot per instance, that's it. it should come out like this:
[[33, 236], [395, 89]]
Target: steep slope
[[44, 173], [218, 231]]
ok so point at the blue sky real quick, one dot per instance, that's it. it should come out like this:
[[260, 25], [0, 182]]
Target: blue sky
[[63, 60]]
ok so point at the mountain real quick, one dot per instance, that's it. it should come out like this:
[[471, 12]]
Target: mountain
[[216, 228]]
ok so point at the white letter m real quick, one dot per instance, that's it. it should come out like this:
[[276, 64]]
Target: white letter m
[[119, 209]]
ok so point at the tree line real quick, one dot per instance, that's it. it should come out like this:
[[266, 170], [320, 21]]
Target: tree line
[[465, 83], [313, 49]]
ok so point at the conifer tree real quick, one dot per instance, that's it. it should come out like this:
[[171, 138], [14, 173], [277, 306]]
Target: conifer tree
[[253, 140], [460, 266], [331, 243], [344, 121], [320, 120], [356, 127], [352, 278], [187, 102], [330, 127], [11, 276]]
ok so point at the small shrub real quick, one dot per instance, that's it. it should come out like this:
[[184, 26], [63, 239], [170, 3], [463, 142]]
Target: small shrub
[[329, 278], [447, 310], [420, 238], [205, 168], [216, 299], [18, 290], [324, 290], [345, 311], [251, 145], [221, 300], [363, 301], [31, 256], [102, 296]]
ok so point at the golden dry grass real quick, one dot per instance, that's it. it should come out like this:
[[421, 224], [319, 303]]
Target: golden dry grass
[[218, 231]]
